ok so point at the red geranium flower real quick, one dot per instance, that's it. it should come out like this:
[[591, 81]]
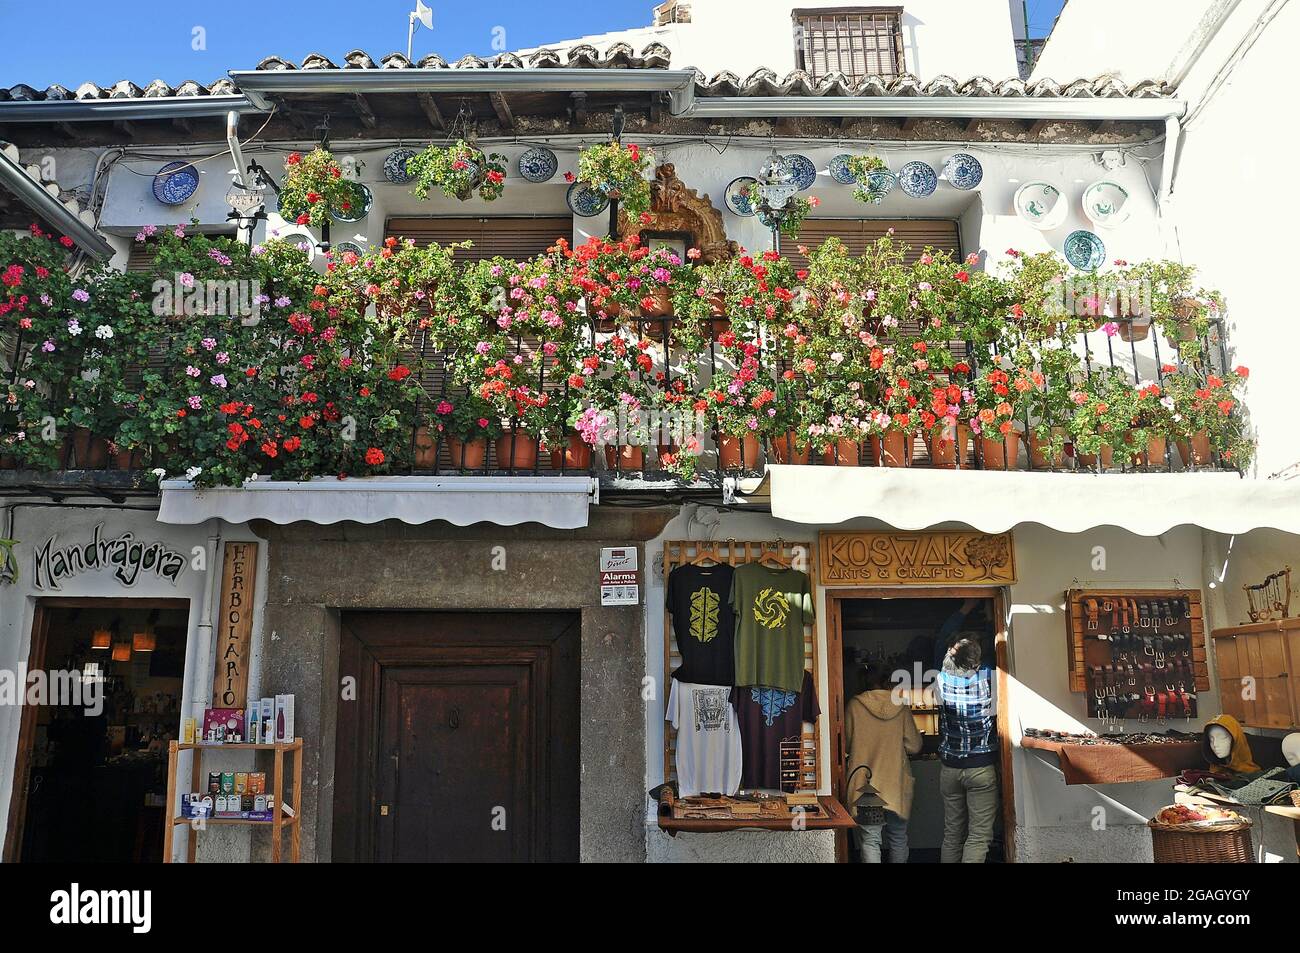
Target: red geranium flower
[[374, 456]]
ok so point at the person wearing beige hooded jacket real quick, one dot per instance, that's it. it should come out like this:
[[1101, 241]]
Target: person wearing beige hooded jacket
[[881, 733]]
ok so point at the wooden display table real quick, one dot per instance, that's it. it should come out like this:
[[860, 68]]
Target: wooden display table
[[278, 821], [833, 818]]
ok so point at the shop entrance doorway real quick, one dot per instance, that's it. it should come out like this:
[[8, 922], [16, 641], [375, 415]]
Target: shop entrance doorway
[[462, 741], [90, 779], [903, 634]]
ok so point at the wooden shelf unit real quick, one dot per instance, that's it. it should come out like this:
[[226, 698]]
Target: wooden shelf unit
[[278, 822], [737, 553], [1268, 652]]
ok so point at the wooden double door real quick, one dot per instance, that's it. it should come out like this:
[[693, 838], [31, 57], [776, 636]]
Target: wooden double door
[[461, 740]]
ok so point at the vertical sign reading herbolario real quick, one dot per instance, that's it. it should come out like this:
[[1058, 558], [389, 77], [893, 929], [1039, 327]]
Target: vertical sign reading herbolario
[[235, 625]]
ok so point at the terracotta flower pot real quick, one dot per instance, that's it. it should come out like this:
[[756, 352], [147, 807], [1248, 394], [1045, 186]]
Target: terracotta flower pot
[[719, 327], [1039, 449], [8, 462], [657, 304], [729, 452], [785, 449], [468, 455], [718, 305], [1153, 457], [1196, 452], [843, 453], [89, 452], [943, 448], [1001, 454], [522, 446], [128, 459], [892, 449], [625, 457], [424, 453], [1088, 461], [574, 455], [1134, 331]]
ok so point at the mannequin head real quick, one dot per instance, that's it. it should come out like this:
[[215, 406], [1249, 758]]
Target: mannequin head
[[1220, 741], [1291, 748]]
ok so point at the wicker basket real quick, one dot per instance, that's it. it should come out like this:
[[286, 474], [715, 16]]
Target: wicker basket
[[1183, 844]]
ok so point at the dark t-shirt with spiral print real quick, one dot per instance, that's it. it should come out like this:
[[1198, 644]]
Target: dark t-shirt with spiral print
[[699, 599], [772, 606]]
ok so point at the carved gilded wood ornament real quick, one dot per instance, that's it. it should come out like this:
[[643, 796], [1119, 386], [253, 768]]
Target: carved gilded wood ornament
[[678, 209]]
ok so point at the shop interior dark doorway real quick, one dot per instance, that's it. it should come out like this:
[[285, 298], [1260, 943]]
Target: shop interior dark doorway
[[904, 635], [96, 781]]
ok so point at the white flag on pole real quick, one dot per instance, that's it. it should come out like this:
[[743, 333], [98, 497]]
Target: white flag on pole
[[424, 14]]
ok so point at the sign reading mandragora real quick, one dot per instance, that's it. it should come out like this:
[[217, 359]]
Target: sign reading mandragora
[[125, 555], [917, 559], [235, 625]]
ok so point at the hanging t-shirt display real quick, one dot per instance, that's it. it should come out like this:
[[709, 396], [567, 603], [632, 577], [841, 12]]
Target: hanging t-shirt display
[[772, 606], [699, 598], [768, 716], [708, 739]]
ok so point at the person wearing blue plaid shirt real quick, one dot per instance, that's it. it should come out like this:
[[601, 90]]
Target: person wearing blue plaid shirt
[[968, 752]]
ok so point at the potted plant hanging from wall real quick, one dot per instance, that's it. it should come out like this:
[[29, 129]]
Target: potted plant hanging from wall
[[457, 170], [874, 180], [618, 172], [313, 186], [774, 198]]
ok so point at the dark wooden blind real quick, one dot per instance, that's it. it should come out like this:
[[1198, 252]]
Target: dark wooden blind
[[516, 238], [855, 41], [858, 233]]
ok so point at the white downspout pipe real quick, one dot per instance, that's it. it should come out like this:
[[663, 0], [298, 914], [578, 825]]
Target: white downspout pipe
[[232, 140], [1173, 131]]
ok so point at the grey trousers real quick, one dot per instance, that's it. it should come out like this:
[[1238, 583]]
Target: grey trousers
[[894, 834], [970, 807]]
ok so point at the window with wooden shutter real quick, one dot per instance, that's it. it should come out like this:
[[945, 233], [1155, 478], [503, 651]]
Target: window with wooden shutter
[[855, 41], [858, 233]]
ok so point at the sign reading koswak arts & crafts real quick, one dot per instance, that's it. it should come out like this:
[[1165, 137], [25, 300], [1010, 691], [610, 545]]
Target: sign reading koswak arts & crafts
[[128, 558], [917, 559]]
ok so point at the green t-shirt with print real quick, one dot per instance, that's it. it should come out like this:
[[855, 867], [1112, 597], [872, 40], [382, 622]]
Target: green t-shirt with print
[[772, 606]]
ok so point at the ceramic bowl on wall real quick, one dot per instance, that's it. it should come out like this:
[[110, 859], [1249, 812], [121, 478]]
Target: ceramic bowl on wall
[[1041, 204], [963, 171], [1084, 250], [584, 201], [802, 171], [356, 214], [918, 179], [736, 198], [395, 166], [175, 183], [1106, 203], [838, 169], [538, 165]]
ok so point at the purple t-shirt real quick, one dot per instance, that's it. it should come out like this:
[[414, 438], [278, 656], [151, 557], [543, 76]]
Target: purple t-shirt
[[768, 716]]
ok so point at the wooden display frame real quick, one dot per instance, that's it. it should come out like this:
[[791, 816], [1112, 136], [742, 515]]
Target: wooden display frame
[[1269, 652], [278, 822], [1076, 629], [737, 553]]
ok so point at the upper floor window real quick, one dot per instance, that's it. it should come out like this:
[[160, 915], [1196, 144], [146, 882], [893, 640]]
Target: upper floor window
[[855, 41]]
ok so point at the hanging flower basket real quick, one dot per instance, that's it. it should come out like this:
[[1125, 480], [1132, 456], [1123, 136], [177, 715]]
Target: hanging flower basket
[[458, 170], [314, 185], [618, 172]]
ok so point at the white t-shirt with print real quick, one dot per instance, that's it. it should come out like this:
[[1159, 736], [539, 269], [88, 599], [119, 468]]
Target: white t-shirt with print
[[709, 756]]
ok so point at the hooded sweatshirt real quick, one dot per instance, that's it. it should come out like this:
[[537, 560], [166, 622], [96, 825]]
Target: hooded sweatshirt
[[1239, 759], [881, 733]]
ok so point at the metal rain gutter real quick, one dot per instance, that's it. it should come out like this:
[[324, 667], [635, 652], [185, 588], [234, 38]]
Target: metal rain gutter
[[110, 110], [258, 84], [42, 203], [935, 107]]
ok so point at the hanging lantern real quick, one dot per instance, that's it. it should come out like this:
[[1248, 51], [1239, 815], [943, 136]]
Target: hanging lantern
[[121, 651], [101, 639], [144, 642]]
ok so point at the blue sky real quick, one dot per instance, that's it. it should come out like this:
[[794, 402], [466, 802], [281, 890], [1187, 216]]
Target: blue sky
[[75, 41]]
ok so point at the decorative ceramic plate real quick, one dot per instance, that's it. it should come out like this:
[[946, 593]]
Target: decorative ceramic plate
[[918, 179], [880, 183], [395, 166], [802, 170], [963, 171], [344, 247], [175, 182], [1041, 204], [356, 214], [839, 170], [538, 165], [1084, 250], [735, 196], [1106, 203], [584, 201]]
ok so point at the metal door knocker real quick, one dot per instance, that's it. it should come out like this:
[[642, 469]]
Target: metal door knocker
[[453, 720]]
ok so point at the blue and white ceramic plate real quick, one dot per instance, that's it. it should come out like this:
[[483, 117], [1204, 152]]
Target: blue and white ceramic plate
[[735, 197], [538, 165], [880, 183], [343, 247], [803, 171], [918, 179], [175, 182], [356, 214], [395, 166], [1106, 204], [839, 170], [1084, 250], [584, 201], [1041, 205], [963, 171]]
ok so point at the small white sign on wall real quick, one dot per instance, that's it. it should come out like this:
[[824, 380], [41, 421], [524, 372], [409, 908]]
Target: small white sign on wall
[[620, 583]]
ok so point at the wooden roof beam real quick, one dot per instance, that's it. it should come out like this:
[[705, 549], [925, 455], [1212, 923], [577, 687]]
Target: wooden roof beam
[[502, 109], [364, 112], [431, 111]]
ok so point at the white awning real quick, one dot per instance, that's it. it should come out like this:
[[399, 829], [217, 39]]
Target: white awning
[[559, 502], [1147, 504]]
